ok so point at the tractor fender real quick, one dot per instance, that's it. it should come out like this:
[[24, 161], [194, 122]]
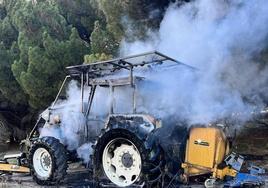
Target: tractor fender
[[139, 125]]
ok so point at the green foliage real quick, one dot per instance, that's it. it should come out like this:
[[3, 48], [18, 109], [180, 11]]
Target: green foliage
[[9, 87], [46, 67], [92, 58], [37, 44], [113, 12], [2, 12], [39, 38], [33, 20], [7, 32], [102, 41], [81, 14], [131, 19]]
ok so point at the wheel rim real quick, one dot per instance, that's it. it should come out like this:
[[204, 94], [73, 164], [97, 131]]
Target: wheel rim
[[42, 163], [209, 183], [121, 162]]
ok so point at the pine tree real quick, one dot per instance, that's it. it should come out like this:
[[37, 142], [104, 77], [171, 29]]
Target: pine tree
[[102, 41]]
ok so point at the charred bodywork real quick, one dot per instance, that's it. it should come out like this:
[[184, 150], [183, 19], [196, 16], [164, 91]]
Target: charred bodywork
[[97, 74], [130, 137]]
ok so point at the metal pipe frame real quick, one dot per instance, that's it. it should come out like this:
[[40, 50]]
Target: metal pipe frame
[[123, 63], [90, 99], [63, 83]]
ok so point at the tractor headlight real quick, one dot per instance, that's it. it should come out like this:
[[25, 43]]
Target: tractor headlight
[[56, 119]]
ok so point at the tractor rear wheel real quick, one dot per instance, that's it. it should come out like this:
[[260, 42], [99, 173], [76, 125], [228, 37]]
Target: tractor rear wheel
[[48, 161], [125, 159], [121, 157]]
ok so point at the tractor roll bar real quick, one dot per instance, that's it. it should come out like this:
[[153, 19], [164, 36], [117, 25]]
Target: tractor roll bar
[[102, 68]]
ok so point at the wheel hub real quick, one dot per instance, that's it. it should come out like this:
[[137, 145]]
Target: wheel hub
[[121, 162], [127, 160], [46, 161], [42, 163]]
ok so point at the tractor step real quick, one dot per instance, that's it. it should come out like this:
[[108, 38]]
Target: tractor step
[[2, 161], [12, 156], [12, 162]]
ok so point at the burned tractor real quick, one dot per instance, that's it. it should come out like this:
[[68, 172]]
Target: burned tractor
[[125, 150], [128, 147]]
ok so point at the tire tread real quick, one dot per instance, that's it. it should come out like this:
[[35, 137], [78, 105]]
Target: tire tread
[[59, 155]]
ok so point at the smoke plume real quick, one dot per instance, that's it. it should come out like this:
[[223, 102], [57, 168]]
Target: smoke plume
[[72, 129], [222, 39]]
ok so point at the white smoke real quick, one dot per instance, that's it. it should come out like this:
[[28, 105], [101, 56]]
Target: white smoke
[[221, 38], [71, 130], [84, 152]]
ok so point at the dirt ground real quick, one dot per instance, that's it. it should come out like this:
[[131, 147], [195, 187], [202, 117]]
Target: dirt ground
[[77, 176], [253, 142]]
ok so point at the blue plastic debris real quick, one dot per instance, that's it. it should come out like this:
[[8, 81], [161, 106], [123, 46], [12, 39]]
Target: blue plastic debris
[[255, 170], [242, 179]]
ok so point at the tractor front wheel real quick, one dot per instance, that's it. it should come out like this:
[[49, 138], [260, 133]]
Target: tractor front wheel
[[48, 161]]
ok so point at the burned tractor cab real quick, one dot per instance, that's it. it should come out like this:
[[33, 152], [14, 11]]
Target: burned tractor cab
[[126, 151]]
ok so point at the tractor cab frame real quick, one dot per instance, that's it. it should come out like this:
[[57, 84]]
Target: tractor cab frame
[[127, 134], [104, 74], [98, 74]]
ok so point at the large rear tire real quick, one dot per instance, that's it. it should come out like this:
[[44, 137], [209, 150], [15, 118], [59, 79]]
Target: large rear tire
[[128, 157], [48, 161]]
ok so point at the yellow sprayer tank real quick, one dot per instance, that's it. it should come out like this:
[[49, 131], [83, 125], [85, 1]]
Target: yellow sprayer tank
[[206, 148]]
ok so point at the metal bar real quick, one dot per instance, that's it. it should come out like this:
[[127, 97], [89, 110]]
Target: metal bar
[[123, 61], [134, 99], [63, 83], [124, 67], [90, 99], [112, 99], [87, 79], [94, 71], [131, 77], [97, 73], [149, 62], [82, 92], [35, 127], [161, 58], [113, 60], [174, 60]]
